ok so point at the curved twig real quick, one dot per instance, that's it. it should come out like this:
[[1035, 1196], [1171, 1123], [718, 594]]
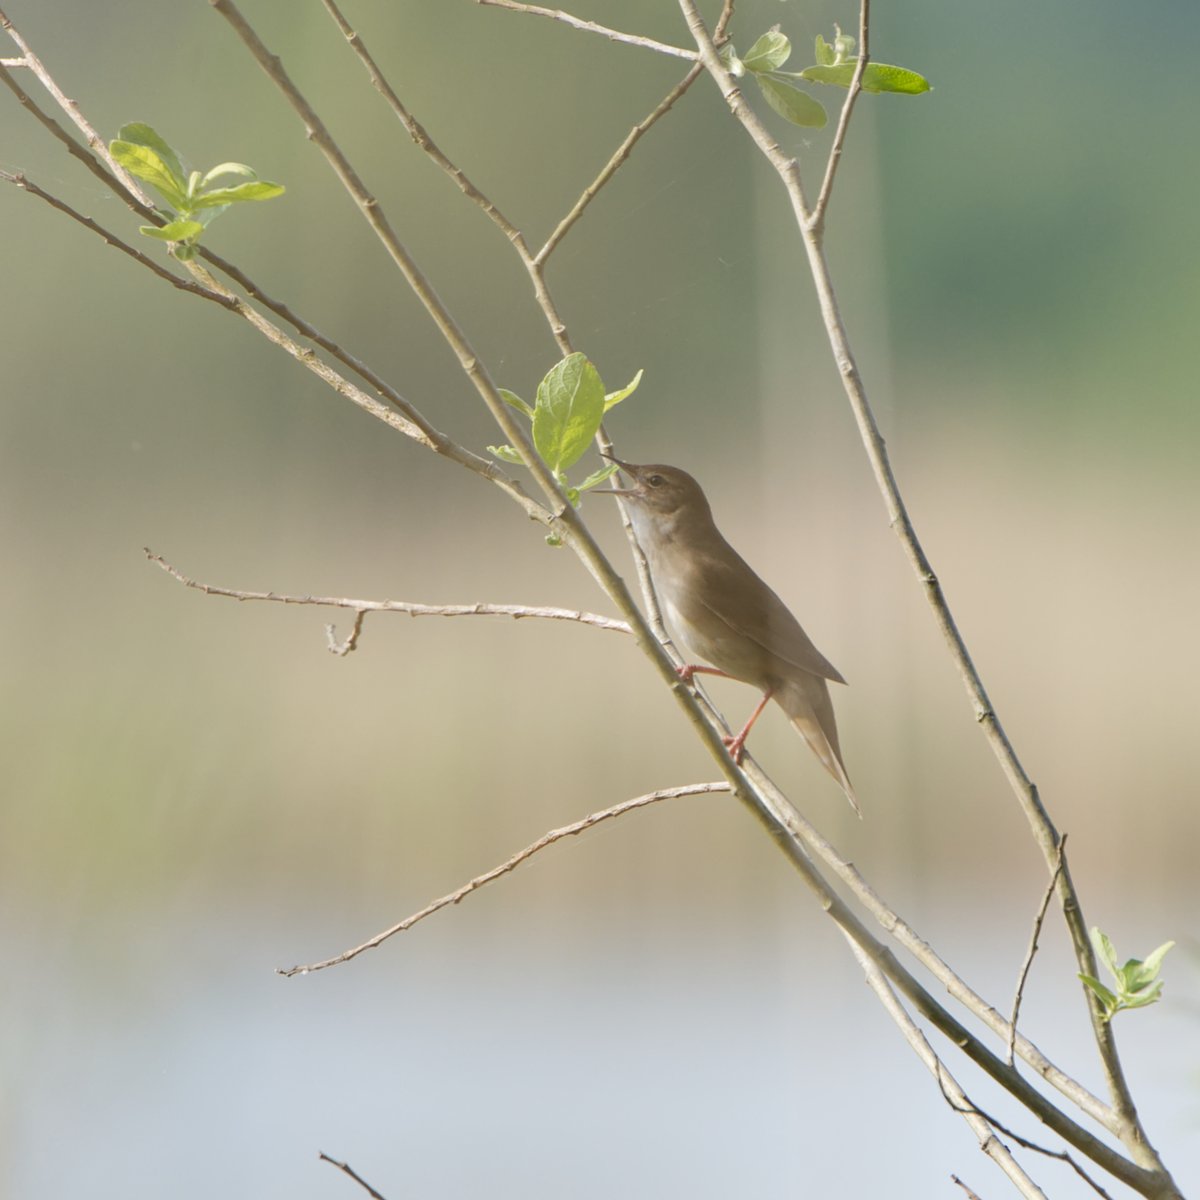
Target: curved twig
[[548, 839]]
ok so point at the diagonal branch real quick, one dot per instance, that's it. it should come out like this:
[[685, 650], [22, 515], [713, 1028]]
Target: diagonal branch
[[817, 220], [548, 839], [348, 1170], [988, 1142], [1023, 974], [963, 1104], [19, 179], [615, 35], [1045, 833]]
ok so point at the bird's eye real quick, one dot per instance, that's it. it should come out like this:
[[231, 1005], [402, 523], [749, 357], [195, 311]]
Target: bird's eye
[[656, 481]]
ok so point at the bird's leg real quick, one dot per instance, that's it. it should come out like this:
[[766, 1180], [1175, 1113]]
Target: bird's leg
[[685, 673], [737, 745]]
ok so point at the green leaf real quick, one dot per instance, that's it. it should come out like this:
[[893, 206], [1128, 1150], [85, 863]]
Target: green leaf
[[569, 409], [260, 189], [507, 453], [791, 103], [1141, 997], [878, 77], [176, 231], [147, 165], [1105, 951], [1106, 998], [824, 52], [515, 401], [599, 476], [769, 53], [1154, 959], [228, 168], [552, 539], [615, 398], [140, 134]]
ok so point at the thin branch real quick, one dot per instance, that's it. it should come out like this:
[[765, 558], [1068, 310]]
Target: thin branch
[[346, 1169], [616, 161], [420, 135], [515, 611], [970, 1194], [911, 941], [1023, 974], [988, 1142], [1129, 1126], [615, 35], [548, 839], [184, 285], [1024, 1142], [471, 364], [98, 145], [305, 328], [817, 221]]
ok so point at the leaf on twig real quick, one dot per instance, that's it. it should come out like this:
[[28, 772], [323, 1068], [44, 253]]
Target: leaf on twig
[[878, 77], [193, 204], [769, 53], [791, 103], [569, 409], [1137, 982], [615, 398]]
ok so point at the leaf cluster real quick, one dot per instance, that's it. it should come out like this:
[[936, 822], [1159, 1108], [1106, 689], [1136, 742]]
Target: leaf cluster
[[1137, 982], [565, 417], [835, 65], [193, 199]]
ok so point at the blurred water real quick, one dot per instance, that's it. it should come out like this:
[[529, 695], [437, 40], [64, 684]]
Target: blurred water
[[474, 1058]]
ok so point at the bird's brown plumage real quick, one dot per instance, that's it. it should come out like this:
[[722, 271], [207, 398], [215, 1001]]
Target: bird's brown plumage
[[724, 614]]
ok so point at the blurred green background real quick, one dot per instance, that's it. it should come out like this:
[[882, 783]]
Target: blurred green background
[[196, 792]]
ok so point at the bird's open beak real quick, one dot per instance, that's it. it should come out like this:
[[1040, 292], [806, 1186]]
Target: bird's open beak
[[614, 491]]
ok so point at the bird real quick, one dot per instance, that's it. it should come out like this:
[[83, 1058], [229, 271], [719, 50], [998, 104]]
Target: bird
[[724, 614]]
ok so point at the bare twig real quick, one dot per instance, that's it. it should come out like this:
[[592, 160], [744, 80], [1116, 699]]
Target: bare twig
[[184, 285], [911, 941], [988, 1142], [98, 145], [1023, 974], [1061, 1155], [610, 168], [615, 35], [421, 137], [346, 1169], [817, 220], [362, 607], [970, 1194], [548, 839]]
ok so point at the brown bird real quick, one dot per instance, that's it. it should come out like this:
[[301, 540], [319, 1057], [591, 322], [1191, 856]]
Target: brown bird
[[725, 614]]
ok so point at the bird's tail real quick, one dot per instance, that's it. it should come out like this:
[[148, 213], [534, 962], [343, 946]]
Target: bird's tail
[[809, 708]]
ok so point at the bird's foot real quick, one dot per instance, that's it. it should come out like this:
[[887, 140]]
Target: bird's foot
[[688, 670], [736, 747]]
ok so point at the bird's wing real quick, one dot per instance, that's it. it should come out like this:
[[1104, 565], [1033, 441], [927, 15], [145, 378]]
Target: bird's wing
[[733, 592]]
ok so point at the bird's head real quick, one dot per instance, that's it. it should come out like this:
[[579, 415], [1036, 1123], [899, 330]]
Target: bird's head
[[659, 489]]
